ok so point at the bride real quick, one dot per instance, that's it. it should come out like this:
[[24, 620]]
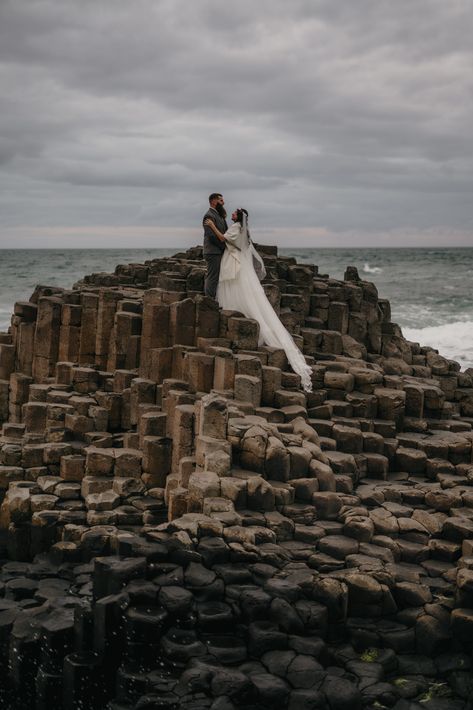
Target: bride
[[239, 289]]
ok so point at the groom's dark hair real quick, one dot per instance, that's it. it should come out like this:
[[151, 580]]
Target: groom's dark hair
[[214, 196]]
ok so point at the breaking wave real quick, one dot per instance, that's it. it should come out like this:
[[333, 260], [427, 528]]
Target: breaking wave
[[371, 269], [453, 340]]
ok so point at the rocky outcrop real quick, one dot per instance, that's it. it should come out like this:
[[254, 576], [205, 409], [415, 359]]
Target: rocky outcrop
[[183, 527]]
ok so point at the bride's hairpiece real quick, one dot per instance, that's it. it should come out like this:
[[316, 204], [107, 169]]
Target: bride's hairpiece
[[242, 212]]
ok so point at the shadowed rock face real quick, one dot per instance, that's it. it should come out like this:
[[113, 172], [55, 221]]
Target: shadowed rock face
[[183, 527]]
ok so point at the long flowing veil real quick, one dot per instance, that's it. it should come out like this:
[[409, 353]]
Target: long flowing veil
[[258, 262], [246, 294]]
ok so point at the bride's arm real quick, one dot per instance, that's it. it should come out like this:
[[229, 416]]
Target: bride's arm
[[230, 236], [217, 232]]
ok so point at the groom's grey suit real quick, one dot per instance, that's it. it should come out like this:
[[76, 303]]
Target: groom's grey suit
[[213, 251]]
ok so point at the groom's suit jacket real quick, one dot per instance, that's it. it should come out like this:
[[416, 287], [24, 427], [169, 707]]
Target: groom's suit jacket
[[213, 245]]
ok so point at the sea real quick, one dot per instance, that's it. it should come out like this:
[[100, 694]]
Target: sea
[[430, 289]]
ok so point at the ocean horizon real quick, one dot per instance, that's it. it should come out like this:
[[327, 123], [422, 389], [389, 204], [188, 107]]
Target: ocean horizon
[[430, 288]]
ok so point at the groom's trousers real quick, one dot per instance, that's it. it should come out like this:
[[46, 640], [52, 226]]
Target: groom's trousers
[[213, 273]]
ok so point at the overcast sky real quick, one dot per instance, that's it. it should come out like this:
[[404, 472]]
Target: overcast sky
[[335, 122]]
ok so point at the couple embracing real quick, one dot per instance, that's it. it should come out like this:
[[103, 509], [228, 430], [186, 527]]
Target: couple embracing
[[234, 271]]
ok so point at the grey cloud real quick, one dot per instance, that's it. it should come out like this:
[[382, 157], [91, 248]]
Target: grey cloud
[[313, 113]]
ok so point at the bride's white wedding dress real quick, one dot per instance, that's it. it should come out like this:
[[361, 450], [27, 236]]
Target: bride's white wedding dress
[[239, 289]]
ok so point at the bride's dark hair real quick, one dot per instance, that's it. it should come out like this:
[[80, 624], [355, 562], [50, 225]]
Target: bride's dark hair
[[240, 212]]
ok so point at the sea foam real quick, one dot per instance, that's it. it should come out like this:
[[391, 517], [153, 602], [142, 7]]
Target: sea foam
[[371, 269], [452, 340]]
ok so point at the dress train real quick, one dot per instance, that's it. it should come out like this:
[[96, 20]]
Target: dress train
[[243, 292]]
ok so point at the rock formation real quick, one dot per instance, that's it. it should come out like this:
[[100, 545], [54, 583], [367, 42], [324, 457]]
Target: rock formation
[[183, 527]]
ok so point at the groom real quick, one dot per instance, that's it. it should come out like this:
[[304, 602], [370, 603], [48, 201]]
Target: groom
[[213, 245]]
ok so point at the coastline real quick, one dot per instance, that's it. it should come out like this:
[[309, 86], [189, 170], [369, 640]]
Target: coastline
[[435, 295]]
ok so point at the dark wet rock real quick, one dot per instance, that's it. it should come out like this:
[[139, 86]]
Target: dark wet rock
[[202, 582], [226, 648], [176, 600], [416, 665], [462, 624], [233, 684], [166, 574], [278, 662], [214, 616], [270, 689], [432, 635], [381, 694], [341, 694], [111, 574], [408, 594], [234, 574], [307, 700], [338, 546], [281, 588], [255, 604], [213, 551], [20, 588], [180, 645], [305, 672], [448, 662], [141, 592], [145, 623], [157, 702], [284, 615], [264, 636]]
